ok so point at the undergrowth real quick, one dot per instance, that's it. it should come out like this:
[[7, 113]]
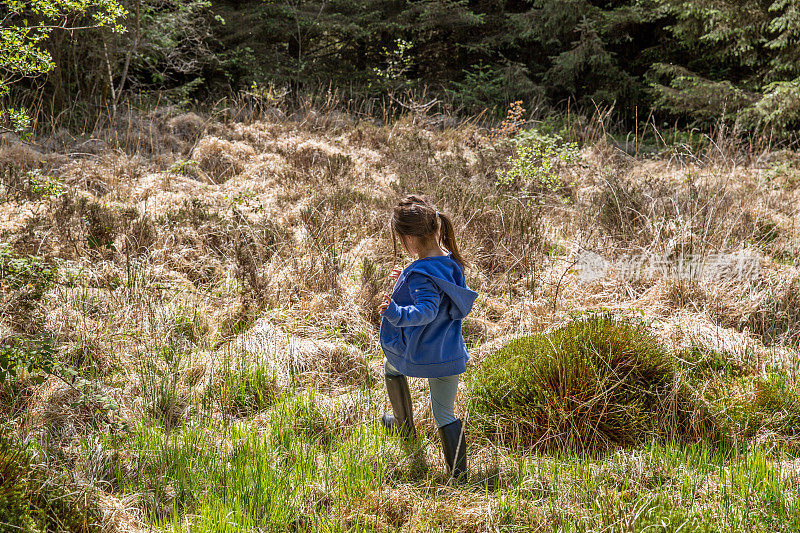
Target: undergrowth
[[189, 287], [36, 501]]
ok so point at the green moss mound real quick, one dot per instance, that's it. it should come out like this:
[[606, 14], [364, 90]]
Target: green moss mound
[[595, 382]]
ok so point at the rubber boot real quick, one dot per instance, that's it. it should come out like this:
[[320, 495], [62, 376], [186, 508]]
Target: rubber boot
[[400, 398], [454, 446]]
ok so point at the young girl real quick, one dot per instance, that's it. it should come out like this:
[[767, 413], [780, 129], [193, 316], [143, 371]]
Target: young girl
[[421, 324]]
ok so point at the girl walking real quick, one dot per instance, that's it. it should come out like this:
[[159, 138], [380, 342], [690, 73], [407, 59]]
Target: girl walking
[[421, 324]]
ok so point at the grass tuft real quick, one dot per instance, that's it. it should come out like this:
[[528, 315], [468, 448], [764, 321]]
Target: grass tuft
[[593, 383], [776, 405], [34, 501], [248, 385]]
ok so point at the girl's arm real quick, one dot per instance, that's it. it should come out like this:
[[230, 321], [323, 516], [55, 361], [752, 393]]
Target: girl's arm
[[426, 304]]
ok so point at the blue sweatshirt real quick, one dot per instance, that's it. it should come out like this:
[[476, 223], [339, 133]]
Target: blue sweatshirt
[[421, 329]]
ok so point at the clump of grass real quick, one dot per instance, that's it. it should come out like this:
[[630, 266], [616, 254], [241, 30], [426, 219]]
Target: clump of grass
[[33, 501], [777, 317], [221, 159], [748, 409], [13, 505], [372, 277], [186, 126], [165, 399], [248, 385], [595, 382], [776, 406], [704, 363]]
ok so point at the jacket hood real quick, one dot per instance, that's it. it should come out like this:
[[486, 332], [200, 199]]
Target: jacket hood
[[448, 276]]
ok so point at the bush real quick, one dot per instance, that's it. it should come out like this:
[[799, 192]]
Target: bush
[[29, 273], [32, 184], [537, 161], [23, 281], [35, 355], [593, 383], [74, 225]]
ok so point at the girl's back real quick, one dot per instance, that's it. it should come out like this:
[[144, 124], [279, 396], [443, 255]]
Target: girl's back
[[421, 329]]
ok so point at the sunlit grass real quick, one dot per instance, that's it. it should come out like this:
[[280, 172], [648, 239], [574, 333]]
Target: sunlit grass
[[232, 327], [295, 468]]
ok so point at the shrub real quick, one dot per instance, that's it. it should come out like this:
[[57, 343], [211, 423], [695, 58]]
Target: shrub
[[537, 160], [36, 356], [515, 119], [29, 185], [29, 273], [75, 225], [185, 167], [23, 281], [594, 382]]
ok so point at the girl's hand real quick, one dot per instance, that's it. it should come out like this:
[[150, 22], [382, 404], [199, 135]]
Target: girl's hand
[[382, 307]]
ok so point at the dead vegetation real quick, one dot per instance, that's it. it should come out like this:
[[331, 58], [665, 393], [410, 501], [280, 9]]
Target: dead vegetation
[[182, 247]]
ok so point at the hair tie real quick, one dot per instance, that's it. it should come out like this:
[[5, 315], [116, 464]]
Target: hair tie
[[437, 213]]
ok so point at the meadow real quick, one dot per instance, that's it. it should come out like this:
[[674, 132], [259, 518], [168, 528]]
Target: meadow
[[188, 315]]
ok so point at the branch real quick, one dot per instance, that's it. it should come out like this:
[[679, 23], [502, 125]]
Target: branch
[[415, 107]]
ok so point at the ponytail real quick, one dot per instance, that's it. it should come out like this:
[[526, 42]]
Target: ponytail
[[447, 237]]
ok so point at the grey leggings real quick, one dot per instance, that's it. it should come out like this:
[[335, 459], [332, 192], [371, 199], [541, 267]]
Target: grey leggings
[[443, 394]]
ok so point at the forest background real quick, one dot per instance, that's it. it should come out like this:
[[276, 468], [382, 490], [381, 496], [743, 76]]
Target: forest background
[[675, 63]]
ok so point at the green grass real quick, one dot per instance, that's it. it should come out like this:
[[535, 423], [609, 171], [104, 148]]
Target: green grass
[[254, 456], [595, 382], [248, 385], [704, 363], [36, 501], [593, 427], [296, 470], [655, 487], [777, 399]]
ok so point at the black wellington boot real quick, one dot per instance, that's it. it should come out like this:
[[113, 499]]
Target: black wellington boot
[[400, 398], [454, 446]]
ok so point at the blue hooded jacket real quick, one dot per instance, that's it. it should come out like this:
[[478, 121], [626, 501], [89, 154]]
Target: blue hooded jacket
[[421, 329]]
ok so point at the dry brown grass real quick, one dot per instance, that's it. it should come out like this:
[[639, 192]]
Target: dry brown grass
[[276, 246], [221, 159]]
